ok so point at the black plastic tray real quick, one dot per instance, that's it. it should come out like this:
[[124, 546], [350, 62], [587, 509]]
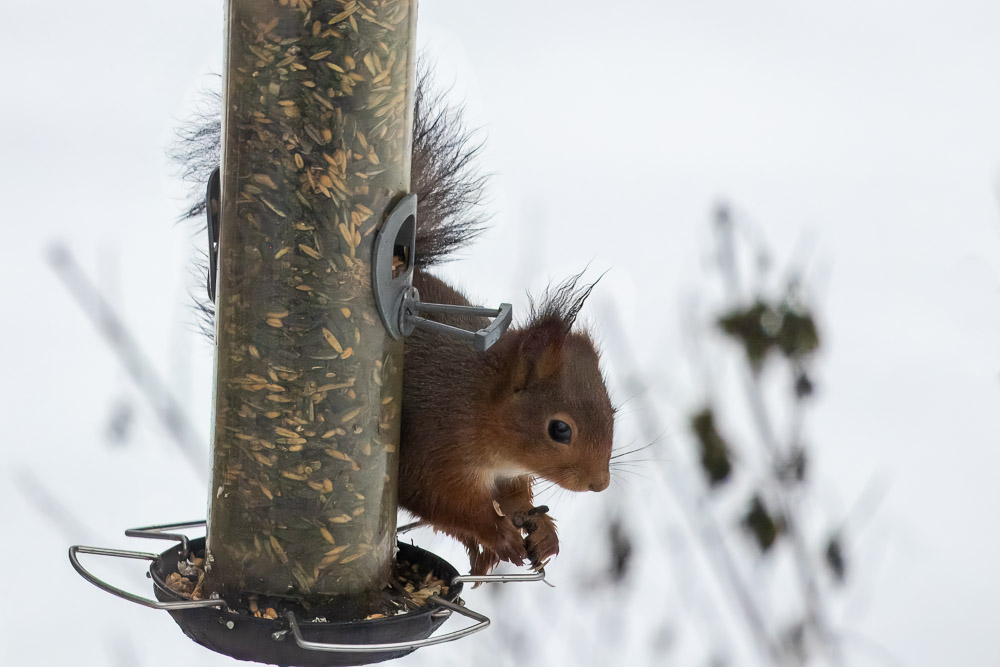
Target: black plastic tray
[[270, 641]]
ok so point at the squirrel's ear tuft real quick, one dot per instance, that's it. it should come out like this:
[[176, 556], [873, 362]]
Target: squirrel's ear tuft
[[540, 349], [562, 303]]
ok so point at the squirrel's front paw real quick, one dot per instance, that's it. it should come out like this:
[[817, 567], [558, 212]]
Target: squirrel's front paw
[[505, 543], [542, 541], [509, 545]]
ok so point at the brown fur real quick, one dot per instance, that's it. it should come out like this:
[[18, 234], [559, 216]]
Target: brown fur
[[475, 429]]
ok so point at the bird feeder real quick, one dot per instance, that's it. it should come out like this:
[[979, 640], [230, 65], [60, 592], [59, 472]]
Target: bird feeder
[[311, 240], [316, 148]]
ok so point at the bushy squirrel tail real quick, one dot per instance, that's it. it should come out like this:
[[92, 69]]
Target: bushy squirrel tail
[[443, 173]]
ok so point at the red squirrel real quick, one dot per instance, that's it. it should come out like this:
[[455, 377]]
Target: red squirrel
[[479, 427]]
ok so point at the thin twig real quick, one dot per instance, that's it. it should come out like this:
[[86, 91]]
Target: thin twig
[[815, 606], [693, 506], [103, 316], [51, 507]]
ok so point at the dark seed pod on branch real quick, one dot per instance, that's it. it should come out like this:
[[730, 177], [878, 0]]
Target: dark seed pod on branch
[[763, 327], [793, 466], [764, 526], [621, 550], [715, 457], [748, 327], [835, 560], [798, 336], [803, 385]]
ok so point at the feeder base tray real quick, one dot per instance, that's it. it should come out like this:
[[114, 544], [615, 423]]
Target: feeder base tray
[[270, 641], [291, 641]]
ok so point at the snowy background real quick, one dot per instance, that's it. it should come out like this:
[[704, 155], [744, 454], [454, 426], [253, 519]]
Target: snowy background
[[859, 139]]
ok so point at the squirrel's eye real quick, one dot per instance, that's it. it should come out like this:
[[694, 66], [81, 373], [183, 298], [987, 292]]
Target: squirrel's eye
[[560, 431]]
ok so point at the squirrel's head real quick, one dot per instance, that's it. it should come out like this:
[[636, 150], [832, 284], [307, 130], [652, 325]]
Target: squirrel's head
[[555, 418]]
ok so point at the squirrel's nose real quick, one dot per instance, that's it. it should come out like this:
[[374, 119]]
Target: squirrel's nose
[[601, 483]]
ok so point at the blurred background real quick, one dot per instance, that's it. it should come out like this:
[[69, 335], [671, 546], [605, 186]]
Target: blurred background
[[797, 208]]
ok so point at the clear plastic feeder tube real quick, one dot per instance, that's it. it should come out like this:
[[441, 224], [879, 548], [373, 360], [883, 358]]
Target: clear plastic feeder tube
[[317, 130]]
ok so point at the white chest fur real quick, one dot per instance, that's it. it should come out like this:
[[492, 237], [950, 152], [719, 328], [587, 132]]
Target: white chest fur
[[503, 474]]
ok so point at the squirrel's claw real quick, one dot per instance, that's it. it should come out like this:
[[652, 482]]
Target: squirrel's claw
[[541, 540], [481, 559], [505, 544]]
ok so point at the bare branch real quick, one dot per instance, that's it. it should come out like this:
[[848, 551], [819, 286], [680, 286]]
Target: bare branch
[[103, 316]]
